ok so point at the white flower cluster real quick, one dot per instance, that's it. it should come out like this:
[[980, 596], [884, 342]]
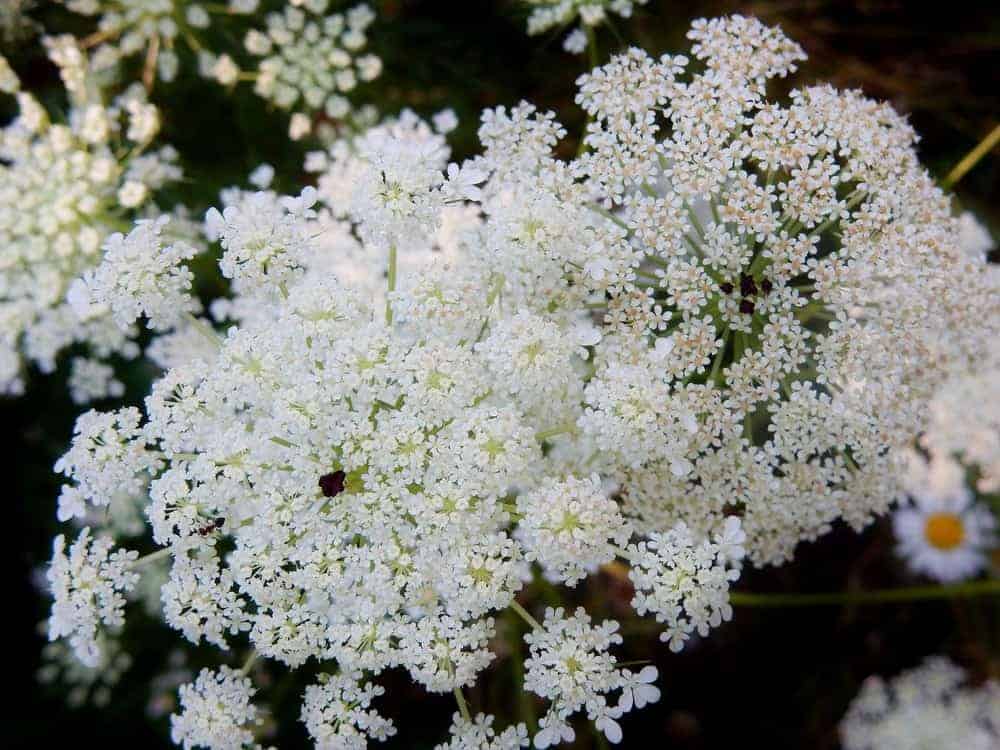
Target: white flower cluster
[[311, 60], [107, 459], [684, 582], [571, 527], [368, 492], [964, 420], [336, 712], [922, 708], [138, 277], [150, 29], [706, 338], [549, 14], [88, 586], [349, 181], [569, 664], [801, 291], [307, 60], [974, 238], [479, 734], [945, 533], [216, 712], [90, 380], [63, 190]]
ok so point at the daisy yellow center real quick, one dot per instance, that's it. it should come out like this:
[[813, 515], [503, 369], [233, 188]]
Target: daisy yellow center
[[944, 530]]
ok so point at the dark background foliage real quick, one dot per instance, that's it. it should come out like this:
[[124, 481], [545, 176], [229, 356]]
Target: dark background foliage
[[779, 678]]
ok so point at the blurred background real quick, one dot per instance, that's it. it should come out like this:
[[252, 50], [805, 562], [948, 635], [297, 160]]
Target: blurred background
[[780, 678]]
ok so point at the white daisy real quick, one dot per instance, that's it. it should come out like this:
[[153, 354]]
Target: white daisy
[[945, 536]]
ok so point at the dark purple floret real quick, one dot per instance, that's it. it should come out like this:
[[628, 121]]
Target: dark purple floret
[[747, 307], [748, 287], [332, 484], [726, 287]]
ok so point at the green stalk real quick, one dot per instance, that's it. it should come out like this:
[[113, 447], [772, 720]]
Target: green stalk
[[463, 707], [525, 615], [204, 329], [989, 587], [248, 664], [151, 557], [560, 429], [392, 283], [972, 158]]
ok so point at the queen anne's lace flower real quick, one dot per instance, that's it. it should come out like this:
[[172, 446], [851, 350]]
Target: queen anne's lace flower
[[216, 712], [548, 14], [684, 582], [569, 664], [90, 380], [338, 716], [349, 183], [727, 314], [365, 505], [199, 598], [139, 277], [311, 60], [108, 458], [150, 29], [444, 653], [264, 243], [63, 190], [88, 586], [795, 265], [571, 527], [479, 734], [921, 708]]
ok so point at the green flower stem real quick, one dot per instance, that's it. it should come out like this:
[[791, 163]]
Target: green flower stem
[[150, 558], [608, 215], [713, 376], [559, 429], [248, 664], [512, 511], [525, 615], [526, 707], [853, 199], [463, 707], [989, 587], [695, 221], [593, 58], [972, 158], [693, 244], [204, 329], [392, 283]]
